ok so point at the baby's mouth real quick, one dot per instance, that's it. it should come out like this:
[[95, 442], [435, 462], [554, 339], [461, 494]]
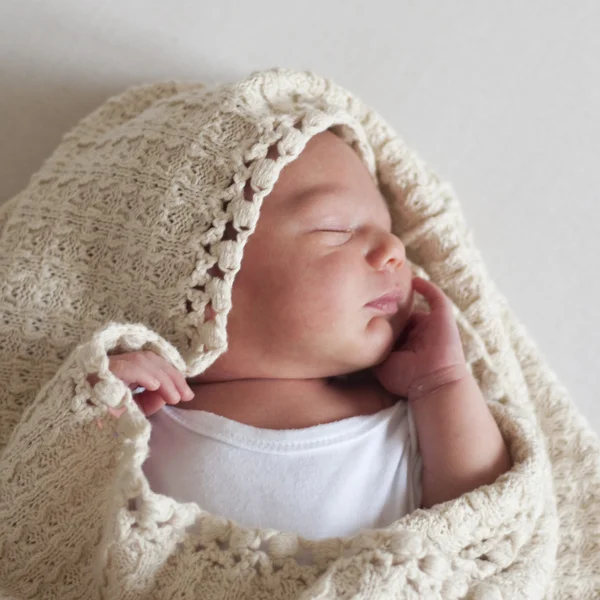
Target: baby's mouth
[[389, 307]]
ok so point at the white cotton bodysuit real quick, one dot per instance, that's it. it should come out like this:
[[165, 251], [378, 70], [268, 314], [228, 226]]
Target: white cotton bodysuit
[[329, 480]]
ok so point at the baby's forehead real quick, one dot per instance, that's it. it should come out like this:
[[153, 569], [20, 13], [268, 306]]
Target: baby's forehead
[[329, 174], [334, 193]]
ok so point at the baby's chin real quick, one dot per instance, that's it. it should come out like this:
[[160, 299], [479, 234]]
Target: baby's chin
[[384, 338], [399, 320], [363, 365]]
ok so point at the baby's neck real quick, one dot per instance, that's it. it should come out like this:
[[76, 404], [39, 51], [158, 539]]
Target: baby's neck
[[288, 403]]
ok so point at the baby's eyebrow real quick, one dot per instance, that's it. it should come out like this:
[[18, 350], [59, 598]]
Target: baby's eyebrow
[[305, 198], [308, 195]]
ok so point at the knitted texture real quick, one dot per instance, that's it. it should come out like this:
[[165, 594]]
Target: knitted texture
[[134, 225]]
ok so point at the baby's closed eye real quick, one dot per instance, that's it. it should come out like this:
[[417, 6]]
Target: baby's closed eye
[[340, 235]]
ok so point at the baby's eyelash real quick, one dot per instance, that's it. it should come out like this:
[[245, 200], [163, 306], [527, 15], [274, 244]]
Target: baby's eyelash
[[346, 233]]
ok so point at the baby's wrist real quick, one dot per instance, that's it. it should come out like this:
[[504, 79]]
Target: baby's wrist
[[432, 382]]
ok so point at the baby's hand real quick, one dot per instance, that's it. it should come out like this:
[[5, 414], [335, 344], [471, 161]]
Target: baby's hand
[[428, 352], [163, 382]]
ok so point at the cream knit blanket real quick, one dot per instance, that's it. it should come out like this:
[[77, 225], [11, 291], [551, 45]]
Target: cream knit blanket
[[134, 224]]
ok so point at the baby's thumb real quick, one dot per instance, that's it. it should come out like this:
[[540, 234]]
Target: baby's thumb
[[149, 402]]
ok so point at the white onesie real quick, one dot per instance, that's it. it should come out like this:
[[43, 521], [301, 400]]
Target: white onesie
[[328, 480]]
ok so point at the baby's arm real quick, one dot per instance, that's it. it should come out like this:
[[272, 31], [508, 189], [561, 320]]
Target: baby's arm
[[461, 446], [460, 443]]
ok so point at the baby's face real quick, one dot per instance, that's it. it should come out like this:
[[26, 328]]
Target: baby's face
[[322, 250]]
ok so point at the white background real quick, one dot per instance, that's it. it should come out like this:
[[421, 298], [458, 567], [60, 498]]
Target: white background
[[502, 99]]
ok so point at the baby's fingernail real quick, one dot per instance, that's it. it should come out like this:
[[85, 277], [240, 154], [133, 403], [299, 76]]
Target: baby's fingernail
[[188, 395]]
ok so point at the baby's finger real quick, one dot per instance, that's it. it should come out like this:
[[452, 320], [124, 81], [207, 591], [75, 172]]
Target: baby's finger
[[149, 402], [177, 379], [167, 389], [414, 321], [132, 372], [435, 297]]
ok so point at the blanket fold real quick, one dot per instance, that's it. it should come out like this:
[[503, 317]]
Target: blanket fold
[[119, 243], [96, 529]]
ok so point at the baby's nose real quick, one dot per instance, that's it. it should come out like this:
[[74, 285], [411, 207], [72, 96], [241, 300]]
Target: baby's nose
[[396, 252]]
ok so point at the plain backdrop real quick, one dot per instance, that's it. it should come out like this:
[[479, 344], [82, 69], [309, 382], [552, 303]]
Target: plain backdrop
[[500, 98]]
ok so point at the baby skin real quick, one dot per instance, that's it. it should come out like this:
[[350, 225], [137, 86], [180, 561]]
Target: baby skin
[[302, 314]]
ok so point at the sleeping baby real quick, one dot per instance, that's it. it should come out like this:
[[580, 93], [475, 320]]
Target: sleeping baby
[[337, 406]]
